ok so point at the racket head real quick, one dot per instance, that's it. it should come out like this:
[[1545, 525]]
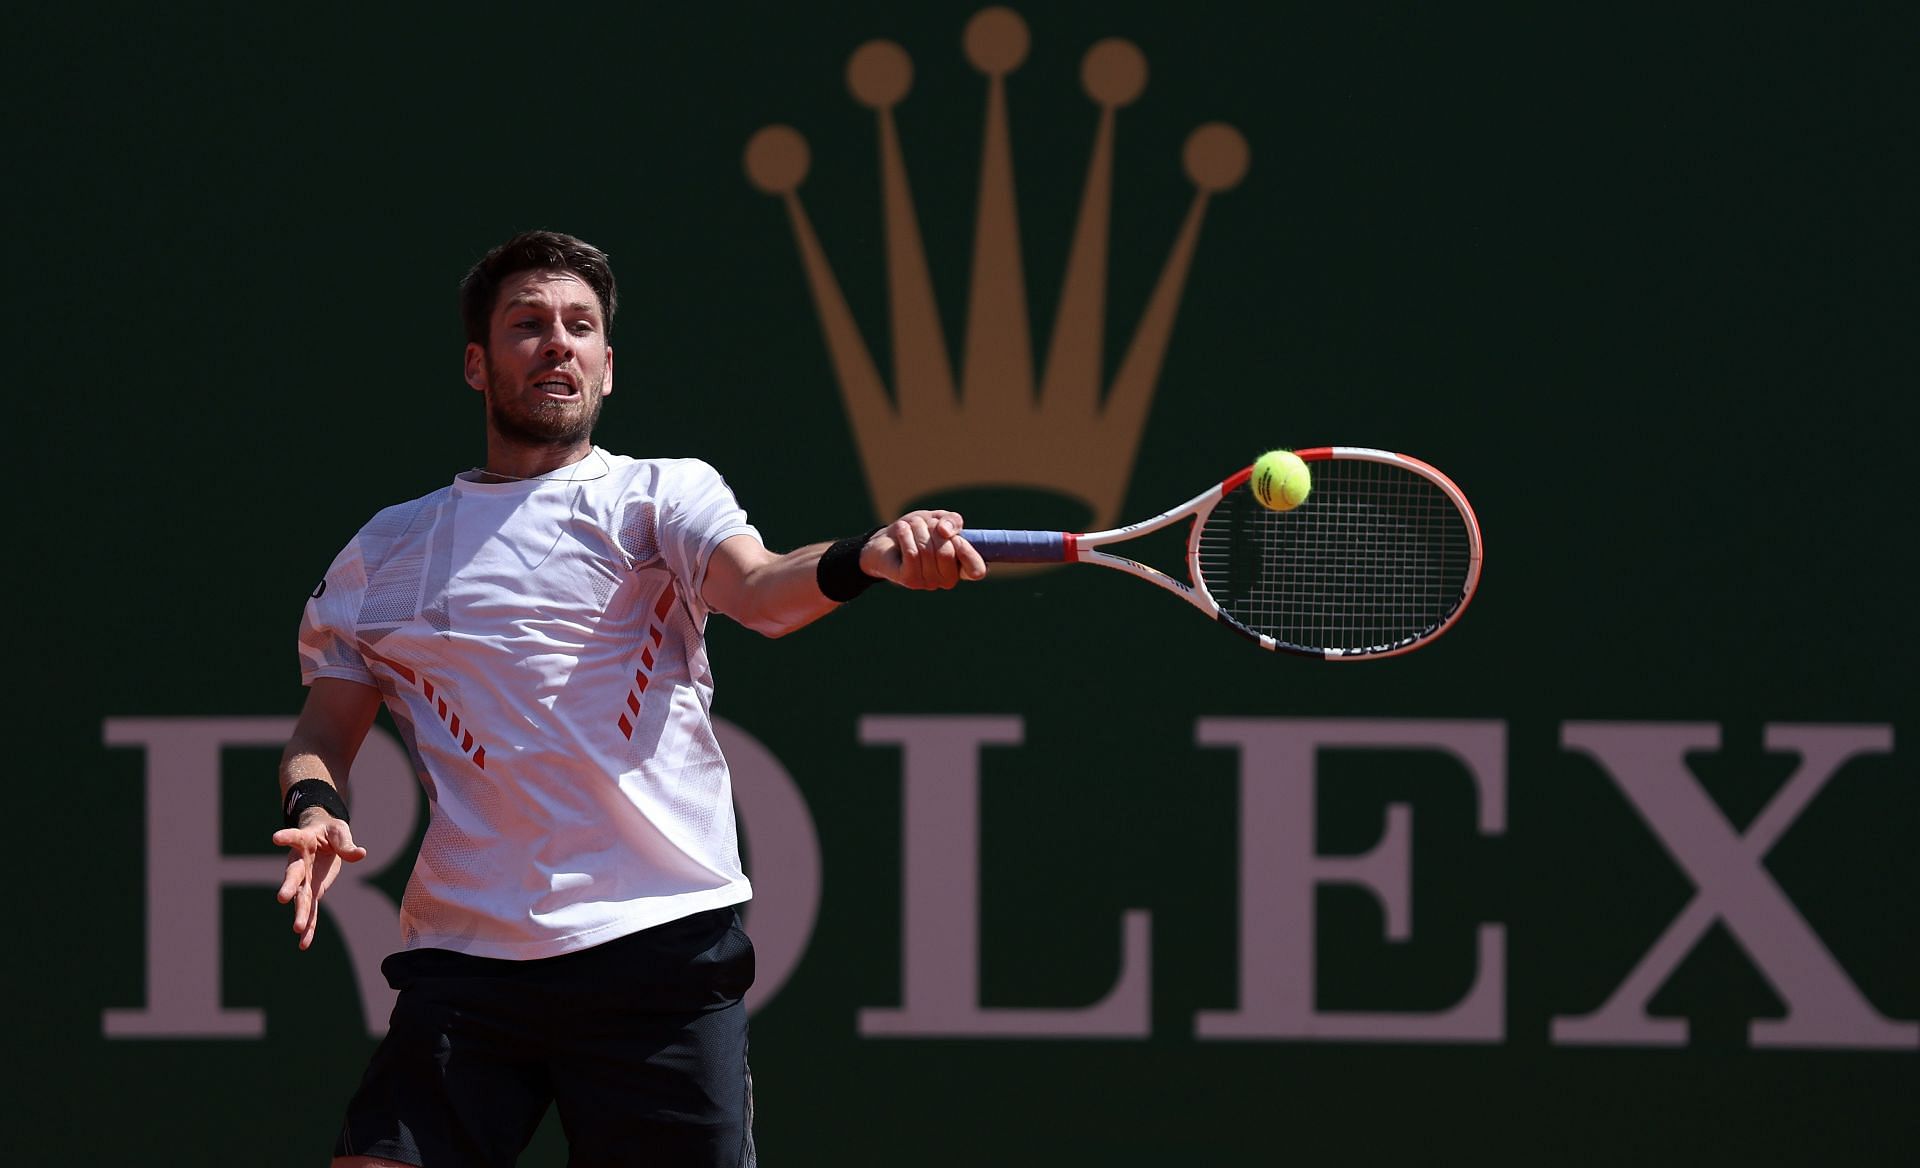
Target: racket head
[[1382, 557]]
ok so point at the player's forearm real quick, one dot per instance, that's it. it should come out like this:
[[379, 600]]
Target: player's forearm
[[775, 595], [333, 723], [307, 760], [783, 593]]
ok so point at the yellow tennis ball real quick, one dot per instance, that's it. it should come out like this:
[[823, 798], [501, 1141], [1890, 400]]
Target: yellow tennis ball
[[1280, 480]]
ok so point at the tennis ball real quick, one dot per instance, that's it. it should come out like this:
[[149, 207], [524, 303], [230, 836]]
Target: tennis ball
[[1280, 480]]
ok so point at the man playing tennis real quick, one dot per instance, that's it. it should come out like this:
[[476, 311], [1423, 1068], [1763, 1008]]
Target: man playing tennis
[[535, 631]]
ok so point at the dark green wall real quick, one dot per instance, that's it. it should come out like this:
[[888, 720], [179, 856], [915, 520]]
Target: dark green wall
[[1641, 281]]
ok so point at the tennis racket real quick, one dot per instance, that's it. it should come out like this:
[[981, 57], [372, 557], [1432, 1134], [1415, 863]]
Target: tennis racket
[[1381, 558]]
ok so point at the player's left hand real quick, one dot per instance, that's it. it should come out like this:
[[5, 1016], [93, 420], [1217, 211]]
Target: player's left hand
[[923, 549]]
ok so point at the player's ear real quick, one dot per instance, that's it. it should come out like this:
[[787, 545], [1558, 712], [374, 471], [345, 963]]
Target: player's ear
[[606, 388], [476, 367]]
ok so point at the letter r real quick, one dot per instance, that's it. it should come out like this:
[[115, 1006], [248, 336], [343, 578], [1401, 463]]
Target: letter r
[[186, 871]]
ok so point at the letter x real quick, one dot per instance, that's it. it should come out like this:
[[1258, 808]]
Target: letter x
[[1648, 762]]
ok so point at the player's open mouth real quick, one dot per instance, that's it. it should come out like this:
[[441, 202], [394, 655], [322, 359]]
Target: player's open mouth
[[554, 387]]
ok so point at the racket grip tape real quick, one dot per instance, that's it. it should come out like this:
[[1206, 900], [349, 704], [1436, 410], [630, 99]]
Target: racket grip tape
[[1020, 547]]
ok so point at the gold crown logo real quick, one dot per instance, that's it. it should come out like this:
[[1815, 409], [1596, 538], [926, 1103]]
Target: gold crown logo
[[994, 429]]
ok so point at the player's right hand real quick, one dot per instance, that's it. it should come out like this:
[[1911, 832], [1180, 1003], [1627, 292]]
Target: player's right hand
[[316, 848]]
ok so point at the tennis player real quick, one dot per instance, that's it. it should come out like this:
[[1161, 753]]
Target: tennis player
[[535, 629]]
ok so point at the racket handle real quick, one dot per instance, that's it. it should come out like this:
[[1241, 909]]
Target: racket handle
[[1019, 547]]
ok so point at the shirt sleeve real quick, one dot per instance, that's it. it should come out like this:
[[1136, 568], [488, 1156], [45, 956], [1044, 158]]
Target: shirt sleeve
[[329, 646], [698, 513]]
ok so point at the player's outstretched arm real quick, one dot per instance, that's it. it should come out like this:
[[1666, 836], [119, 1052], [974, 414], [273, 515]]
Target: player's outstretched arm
[[776, 594], [333, 724]]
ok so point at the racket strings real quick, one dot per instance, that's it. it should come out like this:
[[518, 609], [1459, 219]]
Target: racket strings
[[1377, 555]]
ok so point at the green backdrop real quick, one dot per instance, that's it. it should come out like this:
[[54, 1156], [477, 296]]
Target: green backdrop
[[1642, 281]]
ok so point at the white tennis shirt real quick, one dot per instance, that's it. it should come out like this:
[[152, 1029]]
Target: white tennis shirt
[[539, 646]]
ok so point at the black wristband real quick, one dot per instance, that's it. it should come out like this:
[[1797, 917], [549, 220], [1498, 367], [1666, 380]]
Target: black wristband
[[313, 793], [839, 575]]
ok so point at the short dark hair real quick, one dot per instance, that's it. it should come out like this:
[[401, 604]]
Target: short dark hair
[[532, 251]]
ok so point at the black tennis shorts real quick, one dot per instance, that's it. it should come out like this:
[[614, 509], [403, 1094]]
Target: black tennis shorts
[[640, 1042]]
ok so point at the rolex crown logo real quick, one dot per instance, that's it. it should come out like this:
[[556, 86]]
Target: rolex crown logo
[[1001, 426]]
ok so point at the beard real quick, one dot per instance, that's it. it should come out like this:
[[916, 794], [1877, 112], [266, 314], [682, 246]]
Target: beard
[[544, 422]]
